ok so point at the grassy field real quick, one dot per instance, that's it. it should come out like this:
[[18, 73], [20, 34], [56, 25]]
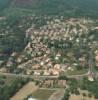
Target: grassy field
[[76, 72], [42, 94]]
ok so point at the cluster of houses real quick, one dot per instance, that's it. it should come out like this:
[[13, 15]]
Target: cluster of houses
[[50, 83], [42, 66], [36, 59], [61, 29], [57, 29]]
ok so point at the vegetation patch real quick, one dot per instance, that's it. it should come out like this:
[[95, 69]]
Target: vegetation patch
[[9, 86], [76, 72], [42, 94]]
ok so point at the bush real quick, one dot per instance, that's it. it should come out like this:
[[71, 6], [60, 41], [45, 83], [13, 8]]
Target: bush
[[84, 94]]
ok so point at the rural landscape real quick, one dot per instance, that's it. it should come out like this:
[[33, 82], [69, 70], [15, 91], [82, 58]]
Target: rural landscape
[[48, 49]]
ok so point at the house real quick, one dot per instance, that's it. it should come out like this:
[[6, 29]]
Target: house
[[56, 58], [90, 78], [46, 72], [36, 67], [82, 59], [28, 72], [47, 60], [96, 52], [55, 72], [96, 28], [37, 73], [9, 63], [57, 66], [31, 98], [49, 64], [13, 54], [64, 67], [62, 83], [3, 70], [48, 83], [75, 64], [96, 58], [21, 66], [1, 62], [58, 54], [41, 63], [19, 60], [96, 63], [2, 18]]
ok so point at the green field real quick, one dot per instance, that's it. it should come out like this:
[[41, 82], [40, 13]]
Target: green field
[[42, 94], [77, 72]]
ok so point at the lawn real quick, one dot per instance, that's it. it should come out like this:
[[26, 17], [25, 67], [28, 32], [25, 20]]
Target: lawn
[[76, 72], [42, 94]]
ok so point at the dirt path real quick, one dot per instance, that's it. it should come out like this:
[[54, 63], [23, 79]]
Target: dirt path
[[25, 91]]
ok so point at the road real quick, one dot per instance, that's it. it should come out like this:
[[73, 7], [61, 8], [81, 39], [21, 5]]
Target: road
[[27, 76], [40, 77]]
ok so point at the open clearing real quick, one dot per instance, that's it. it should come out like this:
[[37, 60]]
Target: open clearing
[[35, 91], [42, 94], [77, 72]]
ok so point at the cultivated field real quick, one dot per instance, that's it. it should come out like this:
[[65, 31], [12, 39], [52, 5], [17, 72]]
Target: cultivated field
[[42, 94], [25, 91]]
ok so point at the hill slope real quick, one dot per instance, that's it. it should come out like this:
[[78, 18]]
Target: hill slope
[[57, 7]]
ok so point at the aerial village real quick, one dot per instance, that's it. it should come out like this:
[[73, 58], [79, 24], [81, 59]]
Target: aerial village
[[56, 50], [48, 51]]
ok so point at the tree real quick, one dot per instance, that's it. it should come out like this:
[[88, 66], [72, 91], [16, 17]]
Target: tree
[[66, 95]]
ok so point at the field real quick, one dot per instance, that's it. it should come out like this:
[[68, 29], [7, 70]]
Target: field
[[76, 72], [34, 92], [25, 91], [9, 86], [81, 96], [42, 94]]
